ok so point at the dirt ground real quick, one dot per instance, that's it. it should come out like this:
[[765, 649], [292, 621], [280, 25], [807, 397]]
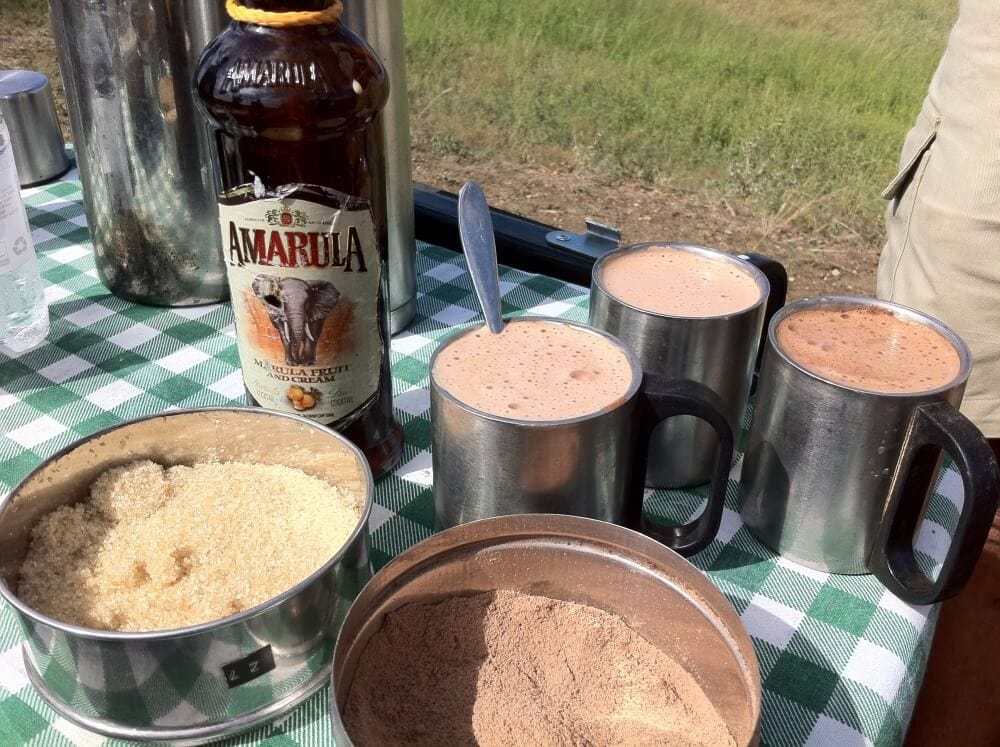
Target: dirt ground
[[817, 262]]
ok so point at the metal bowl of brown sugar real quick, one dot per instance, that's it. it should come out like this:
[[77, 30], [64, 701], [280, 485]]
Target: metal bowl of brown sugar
[[201, 682], [543, 628]]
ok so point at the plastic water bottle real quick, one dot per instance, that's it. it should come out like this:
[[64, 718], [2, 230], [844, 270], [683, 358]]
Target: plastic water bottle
[[24, 314]]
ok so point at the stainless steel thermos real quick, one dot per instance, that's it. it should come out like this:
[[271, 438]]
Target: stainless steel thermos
[[143, 150], [380, 23]]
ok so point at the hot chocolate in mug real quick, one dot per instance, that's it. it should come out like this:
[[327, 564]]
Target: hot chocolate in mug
[[857, 399], [553, 416], [688, 312]]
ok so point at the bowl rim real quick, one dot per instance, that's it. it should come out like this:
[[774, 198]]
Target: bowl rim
[[10, 597], [900, 312], [738, 260], [635, 383]]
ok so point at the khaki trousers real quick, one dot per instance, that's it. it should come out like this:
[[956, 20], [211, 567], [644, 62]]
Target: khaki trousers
[[942, 254]]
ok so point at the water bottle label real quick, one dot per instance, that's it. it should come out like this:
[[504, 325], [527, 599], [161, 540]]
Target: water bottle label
[[305, 276], [15, 234]]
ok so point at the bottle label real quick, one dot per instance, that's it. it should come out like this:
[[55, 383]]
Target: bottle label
[[305, 273], [16, 246]]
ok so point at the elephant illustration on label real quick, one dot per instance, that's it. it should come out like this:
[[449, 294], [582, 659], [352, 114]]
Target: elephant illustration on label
[[298, 309]]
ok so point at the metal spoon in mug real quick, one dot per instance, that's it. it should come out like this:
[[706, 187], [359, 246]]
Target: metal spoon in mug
[[475, 226]]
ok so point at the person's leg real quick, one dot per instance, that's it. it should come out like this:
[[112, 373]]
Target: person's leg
[[942, 251], [960, 699], [942, 256]]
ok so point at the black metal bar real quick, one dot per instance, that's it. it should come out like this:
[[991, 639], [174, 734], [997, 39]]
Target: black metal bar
[[520, 241]]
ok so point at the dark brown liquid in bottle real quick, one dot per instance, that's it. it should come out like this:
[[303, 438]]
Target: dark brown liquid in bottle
[[299, 106]]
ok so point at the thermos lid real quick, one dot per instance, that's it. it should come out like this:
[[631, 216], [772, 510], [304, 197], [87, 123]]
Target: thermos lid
[[27, 106]]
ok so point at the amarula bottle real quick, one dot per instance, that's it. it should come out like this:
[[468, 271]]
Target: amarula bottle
[[294, 98]]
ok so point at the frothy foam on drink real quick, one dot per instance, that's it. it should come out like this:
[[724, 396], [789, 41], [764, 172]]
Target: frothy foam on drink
[[534, 370], [677, 282], [868, 347]]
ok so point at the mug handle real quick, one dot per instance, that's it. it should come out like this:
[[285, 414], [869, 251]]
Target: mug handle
[[936, 424], [661, 398], [777, 278]]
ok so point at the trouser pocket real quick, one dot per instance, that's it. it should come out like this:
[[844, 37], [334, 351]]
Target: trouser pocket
[[902, 193], [908, 171]]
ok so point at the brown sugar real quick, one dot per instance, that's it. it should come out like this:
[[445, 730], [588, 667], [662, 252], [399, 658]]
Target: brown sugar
[[504, 668], [159, 548]]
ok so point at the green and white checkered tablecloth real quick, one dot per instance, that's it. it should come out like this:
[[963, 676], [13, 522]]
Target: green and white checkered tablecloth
[[841, 659]]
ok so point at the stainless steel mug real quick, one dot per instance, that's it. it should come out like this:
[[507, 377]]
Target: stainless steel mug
[[143, 151], [718, 351], [593, 466], [380, 23], [27, 105], [837, 478]]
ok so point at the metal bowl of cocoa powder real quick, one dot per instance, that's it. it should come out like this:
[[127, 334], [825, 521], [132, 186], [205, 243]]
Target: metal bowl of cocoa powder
[[211, 616], [543, 629]]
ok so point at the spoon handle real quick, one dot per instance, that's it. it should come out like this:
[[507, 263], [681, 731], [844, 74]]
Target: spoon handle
[[475, 226]]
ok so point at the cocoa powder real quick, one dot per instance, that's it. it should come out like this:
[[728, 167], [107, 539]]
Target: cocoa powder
[[503, 668]]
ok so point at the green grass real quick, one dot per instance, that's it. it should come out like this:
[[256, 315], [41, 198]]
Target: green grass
[[799, 107]]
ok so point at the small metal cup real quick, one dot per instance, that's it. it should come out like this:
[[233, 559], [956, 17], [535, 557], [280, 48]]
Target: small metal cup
[[177, 685], [719, 352], [488, 465], [26, 103], [837, 478]]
